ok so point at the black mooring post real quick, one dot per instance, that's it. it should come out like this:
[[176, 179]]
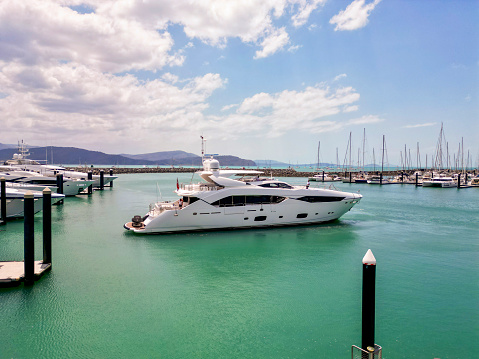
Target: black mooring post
[[458, 181], [29, 238], [417, 179], [90, 178], [60, 186], [323, 176], [381, 178], [102, 180], [350, 177], [369, 301], [402, 177], [47, 226], [3, 200], [111, 174]]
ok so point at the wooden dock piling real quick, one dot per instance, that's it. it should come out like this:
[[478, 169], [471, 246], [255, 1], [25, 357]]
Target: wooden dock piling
[[102, 179], [90, 178], [369, 300], [3, 202], [60, 186], [111, 174], [29, 238], [47, 226], [12, 273]]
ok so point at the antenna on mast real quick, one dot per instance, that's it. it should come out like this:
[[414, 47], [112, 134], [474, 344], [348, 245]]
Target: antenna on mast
[[202, 148]]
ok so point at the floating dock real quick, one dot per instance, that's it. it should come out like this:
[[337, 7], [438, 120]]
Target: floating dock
[[13, 273]]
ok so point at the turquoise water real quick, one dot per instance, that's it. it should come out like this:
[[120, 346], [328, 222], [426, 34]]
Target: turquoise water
[[266, 293]]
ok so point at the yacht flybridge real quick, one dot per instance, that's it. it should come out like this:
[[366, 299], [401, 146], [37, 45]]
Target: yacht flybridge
[[222, 202]]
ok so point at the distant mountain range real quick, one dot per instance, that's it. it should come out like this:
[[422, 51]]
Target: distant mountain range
[[73, 156]]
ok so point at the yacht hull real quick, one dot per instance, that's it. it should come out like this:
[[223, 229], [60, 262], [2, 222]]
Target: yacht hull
[[286, 213]]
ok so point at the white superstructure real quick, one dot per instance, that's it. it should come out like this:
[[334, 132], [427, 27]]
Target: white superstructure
[[222, 202]]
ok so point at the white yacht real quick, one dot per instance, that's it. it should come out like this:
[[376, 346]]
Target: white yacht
[[15, 203], [21, 162], [439, 181], [71, 187], [222, 202]]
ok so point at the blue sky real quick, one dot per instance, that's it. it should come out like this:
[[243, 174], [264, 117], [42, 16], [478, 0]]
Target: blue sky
[[258, 79]]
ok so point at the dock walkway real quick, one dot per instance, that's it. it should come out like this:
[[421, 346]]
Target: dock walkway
[[12, 273]]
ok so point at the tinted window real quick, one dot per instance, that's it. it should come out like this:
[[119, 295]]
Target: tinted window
[[247, 200], [314, 199]]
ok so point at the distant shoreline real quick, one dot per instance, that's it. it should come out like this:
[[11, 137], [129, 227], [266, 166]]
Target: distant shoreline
[[275, 172]]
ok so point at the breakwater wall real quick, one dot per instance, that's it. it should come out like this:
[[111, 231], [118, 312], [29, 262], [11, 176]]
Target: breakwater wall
[[275, 172]]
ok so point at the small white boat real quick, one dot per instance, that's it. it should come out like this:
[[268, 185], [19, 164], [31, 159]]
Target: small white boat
[[377, 180], [440, 182], [474, 182], [325, 178]]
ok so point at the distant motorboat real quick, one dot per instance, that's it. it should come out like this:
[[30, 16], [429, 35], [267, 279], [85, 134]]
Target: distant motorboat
[[474, 182], [323, 178], [440, 182], [377, 180]]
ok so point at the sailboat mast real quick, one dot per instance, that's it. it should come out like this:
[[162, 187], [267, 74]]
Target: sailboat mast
[[350, 150], [319, 146], [364, 144], [382, 161]]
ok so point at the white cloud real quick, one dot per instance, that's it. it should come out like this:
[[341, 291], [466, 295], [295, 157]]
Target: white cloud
[[421, 125], [43, 32], [62, 99], [339, 77], [355, 16], [281, 112], [70, 75], [350, 108], [305, 9], [215, 21], [229, 107], [277, 40], [294, 48], [365, 120]]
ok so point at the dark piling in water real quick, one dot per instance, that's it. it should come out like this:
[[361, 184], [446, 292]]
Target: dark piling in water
[[3, 200], [102, 179], [29, 238], [369, 301], [90, 178], [458, 181], [111, 174], [47, 226], [60, 186]]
